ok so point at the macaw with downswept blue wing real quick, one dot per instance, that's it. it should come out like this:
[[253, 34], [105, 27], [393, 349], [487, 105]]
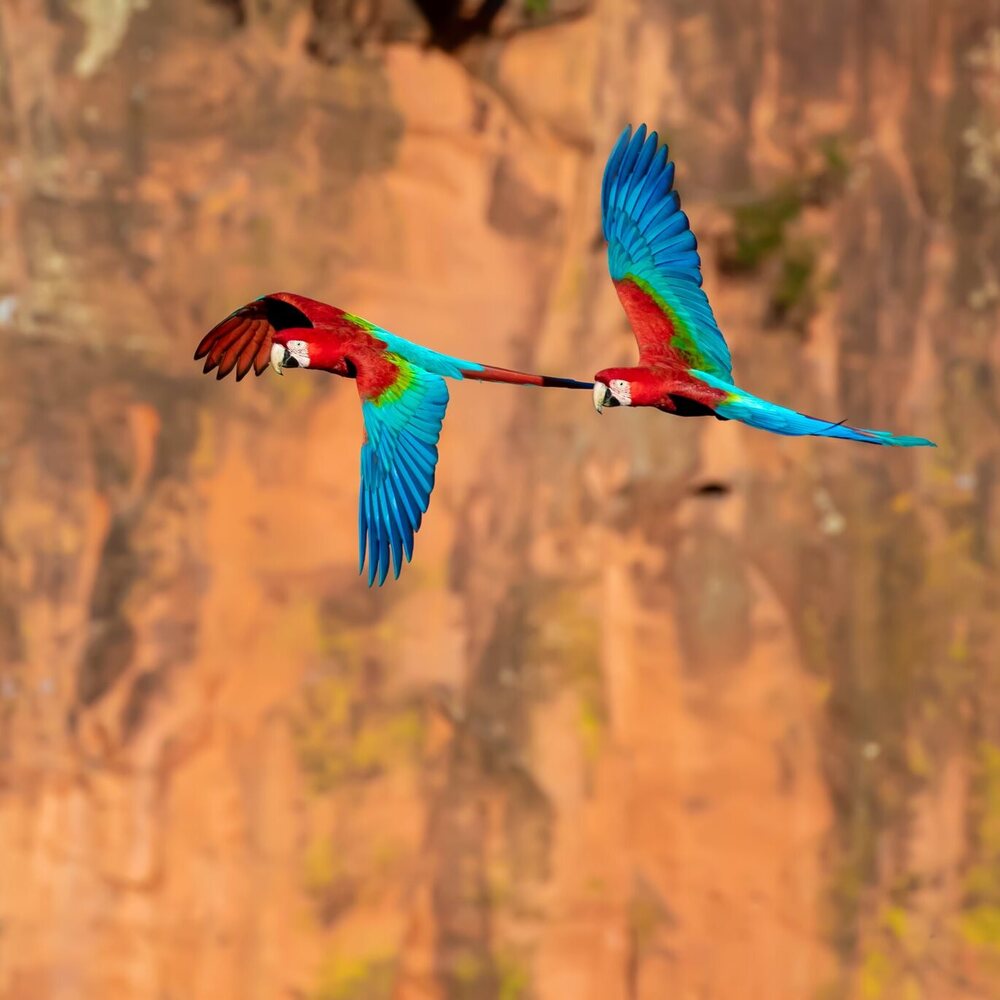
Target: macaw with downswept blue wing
[[403, 398], [684, 364]]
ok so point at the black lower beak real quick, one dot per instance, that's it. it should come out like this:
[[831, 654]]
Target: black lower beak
[[603, 397], [288, 361]]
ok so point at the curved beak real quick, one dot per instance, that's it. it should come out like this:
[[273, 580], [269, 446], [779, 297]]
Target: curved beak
[[602, 396], [278, 354]]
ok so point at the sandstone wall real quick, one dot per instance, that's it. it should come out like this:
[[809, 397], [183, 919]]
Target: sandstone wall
[[662, 708]]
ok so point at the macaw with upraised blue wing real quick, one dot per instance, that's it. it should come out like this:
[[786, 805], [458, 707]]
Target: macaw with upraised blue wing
[[403, 398], [684, 364]]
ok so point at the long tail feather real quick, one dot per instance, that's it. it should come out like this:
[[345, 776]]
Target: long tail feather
[[487, 373], [749, 409]]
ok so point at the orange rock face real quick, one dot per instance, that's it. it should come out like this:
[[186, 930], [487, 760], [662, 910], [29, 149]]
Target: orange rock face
[[662, 708]]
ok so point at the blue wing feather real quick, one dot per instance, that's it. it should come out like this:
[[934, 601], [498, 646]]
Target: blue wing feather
[[650, 239], [398, 460]]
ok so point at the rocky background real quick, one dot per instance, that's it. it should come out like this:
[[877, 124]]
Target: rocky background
[[663, 708]]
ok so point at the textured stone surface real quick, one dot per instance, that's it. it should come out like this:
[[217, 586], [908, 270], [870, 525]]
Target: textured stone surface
[[662, 708]]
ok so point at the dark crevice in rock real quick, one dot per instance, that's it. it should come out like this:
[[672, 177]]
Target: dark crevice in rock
[[112, 638], [451, 27], [712, 489], [237, 8], [489, 776], [144, 689], [127, 563]]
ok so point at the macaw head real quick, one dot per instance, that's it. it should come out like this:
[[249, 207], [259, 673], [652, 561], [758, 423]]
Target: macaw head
[[310, 347], [289, 353], [612, 388]]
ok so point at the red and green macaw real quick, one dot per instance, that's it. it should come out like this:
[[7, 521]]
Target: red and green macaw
[[403, 398], [684, 364]]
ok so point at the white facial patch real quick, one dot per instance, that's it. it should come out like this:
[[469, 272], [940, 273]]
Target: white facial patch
[[621, 390], [299, 350]]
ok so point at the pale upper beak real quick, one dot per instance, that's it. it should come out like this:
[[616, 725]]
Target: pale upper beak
[[601, 393], [278, 352]]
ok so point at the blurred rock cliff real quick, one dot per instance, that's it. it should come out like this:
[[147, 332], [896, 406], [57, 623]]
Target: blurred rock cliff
[[662, 708]]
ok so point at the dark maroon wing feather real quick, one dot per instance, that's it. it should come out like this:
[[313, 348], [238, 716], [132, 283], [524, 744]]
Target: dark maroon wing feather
[[241, 341]]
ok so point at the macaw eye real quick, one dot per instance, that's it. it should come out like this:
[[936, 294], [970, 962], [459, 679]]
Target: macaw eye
[[298, 350]]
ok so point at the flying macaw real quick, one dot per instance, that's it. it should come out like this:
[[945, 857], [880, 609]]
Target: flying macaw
[[403, 398], [684, 364]]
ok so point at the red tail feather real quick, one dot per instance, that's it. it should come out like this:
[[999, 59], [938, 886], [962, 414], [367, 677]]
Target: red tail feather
[[490, 374]]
